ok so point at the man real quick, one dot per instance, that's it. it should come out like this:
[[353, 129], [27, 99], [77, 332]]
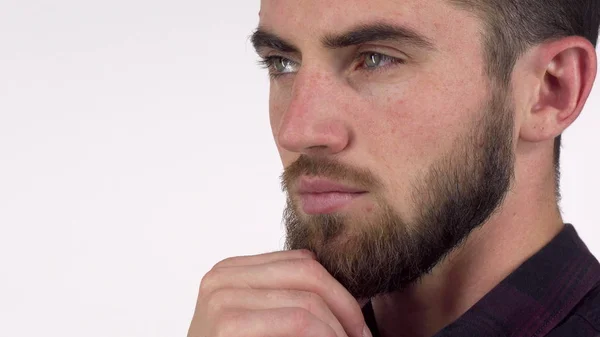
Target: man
[[421, 142]]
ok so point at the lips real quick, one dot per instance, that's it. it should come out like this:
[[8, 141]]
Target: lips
[[322, 196], [319, 185]]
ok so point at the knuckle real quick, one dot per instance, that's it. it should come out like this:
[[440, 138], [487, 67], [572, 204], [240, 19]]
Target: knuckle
[[305, 253], [313, 302], [209, 281], [312, 268], [216, 300], [225, 324], [299, 319], [226, 262]]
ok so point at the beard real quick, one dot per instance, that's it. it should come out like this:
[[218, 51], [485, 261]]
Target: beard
[[381, 252]]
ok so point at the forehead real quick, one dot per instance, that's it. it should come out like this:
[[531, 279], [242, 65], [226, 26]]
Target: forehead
[[305, 20]]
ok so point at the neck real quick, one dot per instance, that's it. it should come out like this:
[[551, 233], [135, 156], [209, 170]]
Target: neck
[[528, 220]]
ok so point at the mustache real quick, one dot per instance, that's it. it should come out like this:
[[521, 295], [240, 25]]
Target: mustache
[[328, 168]]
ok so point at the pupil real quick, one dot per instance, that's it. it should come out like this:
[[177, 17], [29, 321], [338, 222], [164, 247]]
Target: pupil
[[281, 65], [374, 60]]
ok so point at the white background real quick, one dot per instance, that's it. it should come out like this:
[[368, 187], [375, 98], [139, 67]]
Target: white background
[[135, 152]]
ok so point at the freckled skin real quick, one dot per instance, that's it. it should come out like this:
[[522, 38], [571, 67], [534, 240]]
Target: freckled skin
[[412, 124], [395, 124]]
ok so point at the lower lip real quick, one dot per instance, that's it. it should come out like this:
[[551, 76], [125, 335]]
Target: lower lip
[[325, 203]]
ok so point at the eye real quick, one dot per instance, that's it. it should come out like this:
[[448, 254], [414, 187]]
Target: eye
[[283, 65], [278, 65], [371, 60]]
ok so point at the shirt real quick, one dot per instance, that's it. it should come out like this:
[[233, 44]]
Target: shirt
[[555, 293]]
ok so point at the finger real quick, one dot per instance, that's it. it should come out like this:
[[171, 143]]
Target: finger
[[281, 322], [229, 299], [265, 258], [300, 274]]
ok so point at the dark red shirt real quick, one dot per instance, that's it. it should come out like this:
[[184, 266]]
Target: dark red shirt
[[555, 293]]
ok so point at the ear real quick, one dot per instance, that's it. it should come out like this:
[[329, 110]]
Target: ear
[[565, 70]]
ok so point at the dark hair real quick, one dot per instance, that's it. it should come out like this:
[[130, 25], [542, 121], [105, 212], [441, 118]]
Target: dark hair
[[512, 26]]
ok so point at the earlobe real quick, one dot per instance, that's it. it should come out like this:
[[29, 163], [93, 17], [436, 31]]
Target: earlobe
[[568, 70]]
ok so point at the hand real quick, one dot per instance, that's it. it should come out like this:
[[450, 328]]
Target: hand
[[277, 294]]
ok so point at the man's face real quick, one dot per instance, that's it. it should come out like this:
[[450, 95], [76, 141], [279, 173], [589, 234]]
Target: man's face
[[395, 143]]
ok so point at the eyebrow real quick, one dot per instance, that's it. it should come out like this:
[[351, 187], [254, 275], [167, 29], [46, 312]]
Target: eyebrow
[[356, 36], [263, 39], [378, 32]]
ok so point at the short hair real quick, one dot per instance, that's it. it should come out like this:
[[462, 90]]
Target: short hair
[[513, 26]]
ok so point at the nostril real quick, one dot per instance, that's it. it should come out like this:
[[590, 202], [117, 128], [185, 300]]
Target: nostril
[[317, 148]]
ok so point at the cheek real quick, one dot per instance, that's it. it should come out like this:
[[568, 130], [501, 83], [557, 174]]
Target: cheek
[[403, 127], [277, 107], [280, 97], [410, 131]]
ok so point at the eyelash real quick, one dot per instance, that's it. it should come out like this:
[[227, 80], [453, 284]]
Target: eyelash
[[268, 62]]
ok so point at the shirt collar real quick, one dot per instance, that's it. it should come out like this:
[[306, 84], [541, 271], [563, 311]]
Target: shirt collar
[[533, 299]]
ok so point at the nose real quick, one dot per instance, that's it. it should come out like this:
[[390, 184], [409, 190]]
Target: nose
[[314, 121]]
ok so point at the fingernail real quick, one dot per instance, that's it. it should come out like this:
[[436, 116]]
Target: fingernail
[[367, 332]]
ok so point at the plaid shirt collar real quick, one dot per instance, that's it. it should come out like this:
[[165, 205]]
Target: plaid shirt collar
[[532, 300]]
